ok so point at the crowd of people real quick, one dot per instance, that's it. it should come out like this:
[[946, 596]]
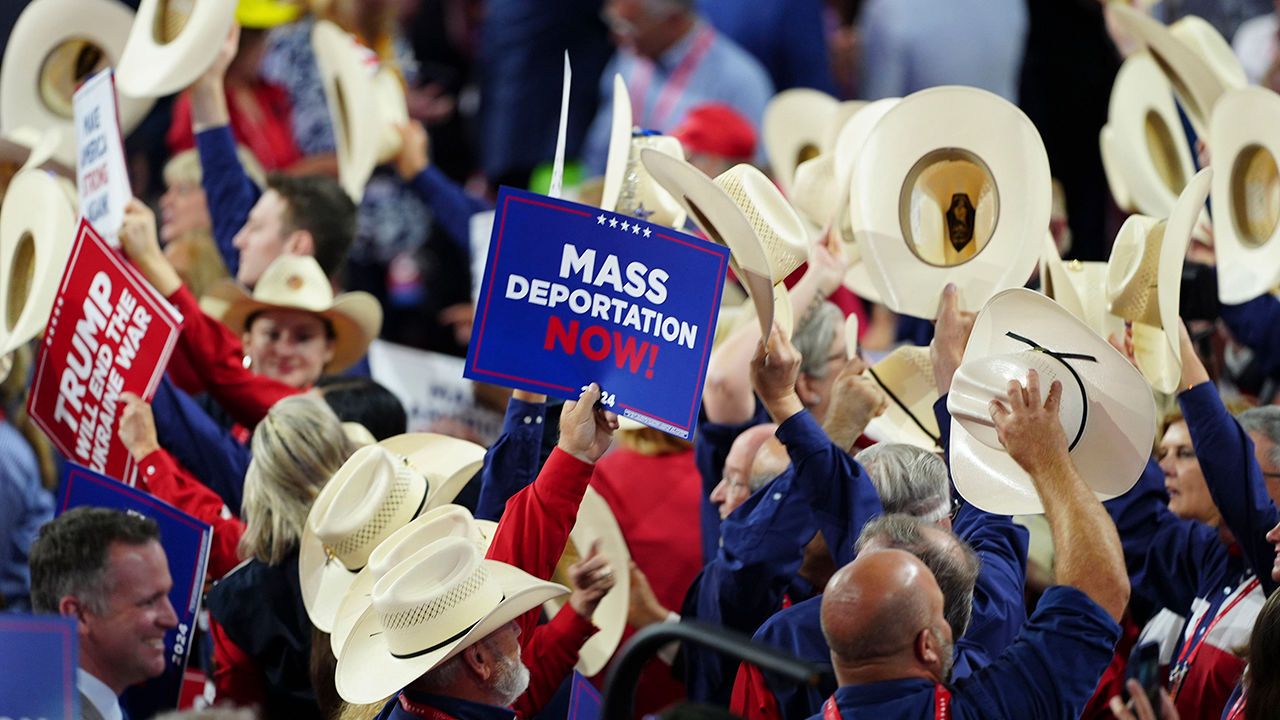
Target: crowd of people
[[945, 455]]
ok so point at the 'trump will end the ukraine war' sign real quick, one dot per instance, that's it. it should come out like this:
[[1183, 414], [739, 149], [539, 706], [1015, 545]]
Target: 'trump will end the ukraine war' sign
[[574, 295], [109, 333]]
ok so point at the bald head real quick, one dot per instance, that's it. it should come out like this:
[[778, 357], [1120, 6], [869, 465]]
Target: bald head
[[882, 616], [742, 453]]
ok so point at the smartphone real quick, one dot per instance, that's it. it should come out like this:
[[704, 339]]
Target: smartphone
[[1144, 666]]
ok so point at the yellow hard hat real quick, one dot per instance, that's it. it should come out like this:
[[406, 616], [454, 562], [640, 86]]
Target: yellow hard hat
[[265, 14]]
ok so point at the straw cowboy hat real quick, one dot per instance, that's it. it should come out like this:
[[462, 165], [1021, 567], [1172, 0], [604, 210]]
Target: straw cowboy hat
[[53, 47], [376, 492], [296, 282], [1198, 61], [962, 201], [1245, 137], [906, 378], [1080, 288], [436, 524], [426, 610], [821, 191], [171, 44], [1107, 412], [796, 127], [597, 522], [366, 102], [628, 189], [1144, 279], [37, 229], [1150, 156], [744, 211]]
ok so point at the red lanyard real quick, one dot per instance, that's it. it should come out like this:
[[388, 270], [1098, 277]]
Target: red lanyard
[[941, 705], [422, 711], [1192, 648], [674, 86]]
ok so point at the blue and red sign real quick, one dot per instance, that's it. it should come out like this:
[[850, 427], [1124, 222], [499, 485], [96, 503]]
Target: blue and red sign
[[38, 654], [186, 543], [573, 295]]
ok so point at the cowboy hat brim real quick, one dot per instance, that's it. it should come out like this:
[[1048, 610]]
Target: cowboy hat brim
[[43, 26], [37, 228], [367, 672], [619, 145], [1116, 440], [448, 463], [715, 212], [1157, 347], [1080, 288], [1150, 151], [153, 67], [356, 318], [1244, 132], [906, 378], [358, 596], [982, 125], [1112, 162], [596, 522], [1194, 79], [365, 103], [795, 121]]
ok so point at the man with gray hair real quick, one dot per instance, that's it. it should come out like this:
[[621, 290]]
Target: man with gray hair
[[108, 571], [910, 480], [1263, 426]]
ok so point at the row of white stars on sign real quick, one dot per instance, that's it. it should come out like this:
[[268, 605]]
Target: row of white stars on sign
[[635, 228]]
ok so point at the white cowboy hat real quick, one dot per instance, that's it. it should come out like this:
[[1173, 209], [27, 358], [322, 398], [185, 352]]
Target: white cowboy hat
[[1149, 152], [366, 103], [1107, 411], [742, 210], [435, 524], [1080, 288], [171, 44], [961, 200], [1144, 279], [1113, 167], [54, 45], [1191, 54], [597, 522], [1245, 137], [428, 609], [628, 189], [375, 492], [796, 127], [296, 282], [906, 378], [37, 228]]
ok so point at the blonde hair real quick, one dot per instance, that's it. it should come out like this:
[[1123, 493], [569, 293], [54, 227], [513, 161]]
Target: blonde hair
[[296, 448], [185, 167], [648, 441]]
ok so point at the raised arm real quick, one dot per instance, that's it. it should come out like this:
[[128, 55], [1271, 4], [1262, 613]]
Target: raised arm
[[1229, 465], [838, 491], [512, 462], [452, 206], [228, 190], [1089, 556]]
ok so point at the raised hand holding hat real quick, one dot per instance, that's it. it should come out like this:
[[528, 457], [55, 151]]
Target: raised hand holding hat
[[171, 44], [1107, 411]]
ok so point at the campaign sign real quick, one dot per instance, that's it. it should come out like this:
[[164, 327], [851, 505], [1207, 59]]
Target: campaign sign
[[38, 654], [584, 700], [102, 177], [573, 295], [109, 333], [186, 544]]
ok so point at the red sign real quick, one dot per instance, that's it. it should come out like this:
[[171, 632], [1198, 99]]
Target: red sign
[[109, 333]]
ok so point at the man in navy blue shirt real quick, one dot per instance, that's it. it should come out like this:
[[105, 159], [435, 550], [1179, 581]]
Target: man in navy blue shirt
[[883, 614]]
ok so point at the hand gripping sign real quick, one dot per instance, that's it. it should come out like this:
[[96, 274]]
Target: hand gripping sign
[[109, 333], [573, 295]]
